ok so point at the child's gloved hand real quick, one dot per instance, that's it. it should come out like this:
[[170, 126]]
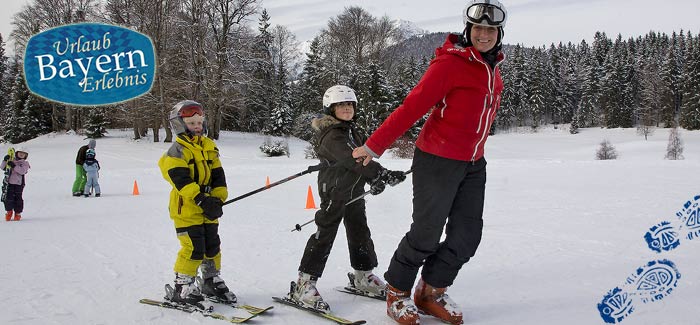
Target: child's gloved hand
[[11, 164], [394, 177], [212, 206], [377, 186], [390, 177], [7, 157]]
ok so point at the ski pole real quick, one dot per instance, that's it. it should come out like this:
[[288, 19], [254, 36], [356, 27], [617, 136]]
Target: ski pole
[[311, 169], [368, 192], [297, 227]]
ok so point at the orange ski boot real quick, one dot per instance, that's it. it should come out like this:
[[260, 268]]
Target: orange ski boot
[[8, 215], [434, 301], [400, 307]]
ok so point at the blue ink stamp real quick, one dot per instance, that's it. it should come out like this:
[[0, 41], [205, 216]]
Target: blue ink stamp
[[651, 282], [89, 64], [662, 237], [689, 216], [615, 306]]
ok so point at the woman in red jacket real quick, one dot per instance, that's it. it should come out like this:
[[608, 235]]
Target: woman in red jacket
[[463, 88]]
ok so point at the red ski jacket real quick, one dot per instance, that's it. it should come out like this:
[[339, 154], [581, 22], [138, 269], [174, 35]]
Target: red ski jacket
[[464, 93]]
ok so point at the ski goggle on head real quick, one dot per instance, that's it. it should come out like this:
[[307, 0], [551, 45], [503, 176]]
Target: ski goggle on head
[[493, 16], [191, 110]]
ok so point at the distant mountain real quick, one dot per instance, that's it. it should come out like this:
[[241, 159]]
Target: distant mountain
[[419, 45]]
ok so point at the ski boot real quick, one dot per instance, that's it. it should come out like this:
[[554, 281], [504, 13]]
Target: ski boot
[[434, 301], [215, 289], [185, 292], [18, 216], [367, 283], [8, 215], [304, 293], [400, 307]]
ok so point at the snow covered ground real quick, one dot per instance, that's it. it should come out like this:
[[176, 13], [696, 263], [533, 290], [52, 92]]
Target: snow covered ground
[[560, 230]]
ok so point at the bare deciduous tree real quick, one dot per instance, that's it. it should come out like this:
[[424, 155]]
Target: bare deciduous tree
[[606, 151]]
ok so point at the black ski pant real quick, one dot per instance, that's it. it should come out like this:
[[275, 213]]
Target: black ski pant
[[444, 191], [360, 244], [14, 200]]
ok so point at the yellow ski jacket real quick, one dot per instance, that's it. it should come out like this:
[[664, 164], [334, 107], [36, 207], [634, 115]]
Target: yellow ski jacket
[[192, 166]]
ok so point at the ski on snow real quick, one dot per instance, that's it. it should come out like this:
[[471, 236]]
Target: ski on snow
[[329, 316], [250, 309], [209, 312], [353, 291]]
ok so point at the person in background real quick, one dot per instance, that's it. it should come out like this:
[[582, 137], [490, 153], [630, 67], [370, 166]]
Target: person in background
[[193, 169], [14, 202], [92, 169], [463, 88], [343, 181], [80, 176]]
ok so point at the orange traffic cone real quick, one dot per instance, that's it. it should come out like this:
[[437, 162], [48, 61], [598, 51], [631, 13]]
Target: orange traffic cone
[[267, 181], [136, 189], [310, 204]]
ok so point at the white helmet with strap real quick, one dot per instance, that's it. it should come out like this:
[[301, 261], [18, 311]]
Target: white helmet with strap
[[338, 94]]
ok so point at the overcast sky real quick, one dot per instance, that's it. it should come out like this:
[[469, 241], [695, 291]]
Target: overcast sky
[[530, 22]]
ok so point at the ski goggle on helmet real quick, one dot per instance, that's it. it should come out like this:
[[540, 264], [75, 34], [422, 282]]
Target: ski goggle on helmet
[[183, 112], [485, 12]]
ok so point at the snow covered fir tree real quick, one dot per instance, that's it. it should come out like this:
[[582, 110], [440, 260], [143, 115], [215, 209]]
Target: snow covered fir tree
[[250, 75]]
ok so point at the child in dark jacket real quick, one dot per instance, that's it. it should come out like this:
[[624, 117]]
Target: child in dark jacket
[[15, 186], [336, 136]]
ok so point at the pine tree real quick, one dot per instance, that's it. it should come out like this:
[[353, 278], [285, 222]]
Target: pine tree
[[96, 123], [613, 102], [514, 97], [674, 150], [670, 74], [259, 99], [537, 90], [374, 93], [313, 81], [590, 93], [3, 81], [18, 95], [690, 104]]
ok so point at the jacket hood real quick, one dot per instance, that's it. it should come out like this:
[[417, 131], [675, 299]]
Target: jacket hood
[[323, 122], [92, 144]]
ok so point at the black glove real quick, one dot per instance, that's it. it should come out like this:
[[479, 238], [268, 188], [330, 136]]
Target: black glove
[[7, 157], [394, 177], [391, 177], [376, 186], [211, 206], [11, 164]]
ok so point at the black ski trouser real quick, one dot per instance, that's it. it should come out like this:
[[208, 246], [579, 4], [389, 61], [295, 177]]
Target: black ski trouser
[[444, 191], [360, 244], [13, 199]]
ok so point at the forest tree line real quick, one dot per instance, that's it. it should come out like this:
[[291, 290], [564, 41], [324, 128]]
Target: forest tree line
[[252, 77]]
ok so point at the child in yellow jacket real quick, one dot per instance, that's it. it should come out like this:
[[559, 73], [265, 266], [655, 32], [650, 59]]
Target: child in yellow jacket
[[193, 169]]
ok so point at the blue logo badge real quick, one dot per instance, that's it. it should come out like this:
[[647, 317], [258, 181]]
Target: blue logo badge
[[89, 64]]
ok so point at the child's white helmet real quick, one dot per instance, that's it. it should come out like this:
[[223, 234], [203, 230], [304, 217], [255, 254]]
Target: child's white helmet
[[338, 94]]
